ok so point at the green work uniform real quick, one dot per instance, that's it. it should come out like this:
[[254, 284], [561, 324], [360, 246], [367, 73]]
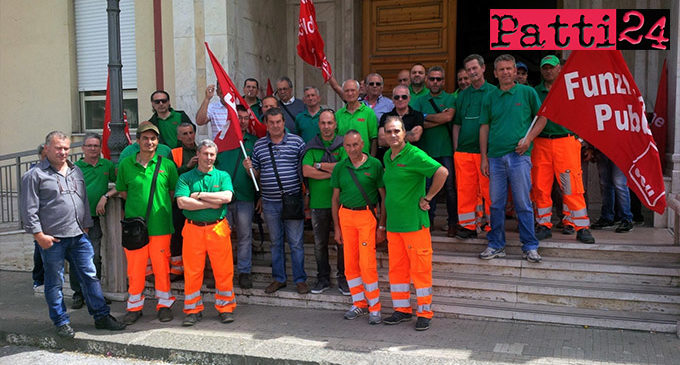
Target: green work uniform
[[509, 115], [231, 161], [307, 126], [436, 141], [363, 120], [135, 179], [551, 128], [97, 180], [132, 149], [468, 109], [370, 176], [211, 182], [415, 96], [257, 108], [320, 190], [405, 184], [168, 126]]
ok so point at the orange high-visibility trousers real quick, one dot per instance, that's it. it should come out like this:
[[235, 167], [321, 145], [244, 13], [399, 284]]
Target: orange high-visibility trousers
[[158, 250], [215, 240], [558, 158], [358, 236], [410, 256], [473, 190]]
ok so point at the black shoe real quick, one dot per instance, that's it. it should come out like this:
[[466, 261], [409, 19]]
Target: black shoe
[[624, 226], [422, 324], [131, 317], [343, 287], [602, 224], [320, 287], [543, 232], [107, 300], [165, 314], [226, 317], [245, 281], [109, 323], [191, 319], [398, 317], [66, 331], [568, 229], [274, 286], [585, 236], [78, 301], [465, 233]]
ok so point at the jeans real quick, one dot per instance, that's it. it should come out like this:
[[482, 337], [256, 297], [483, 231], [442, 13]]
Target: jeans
[[322, 220], [78, 251], [449, 190], [95, 236], [38, 269], [293, 229], [240, 218], [615, 194], [515, 170]]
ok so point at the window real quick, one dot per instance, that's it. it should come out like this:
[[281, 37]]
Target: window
[[93, 104]]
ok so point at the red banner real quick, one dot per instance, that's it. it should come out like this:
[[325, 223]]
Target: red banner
[[270, 90], [659, 122], [106, 129], [596, 97], [310, 44]]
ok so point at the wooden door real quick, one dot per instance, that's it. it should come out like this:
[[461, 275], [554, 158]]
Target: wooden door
[[398, 33]]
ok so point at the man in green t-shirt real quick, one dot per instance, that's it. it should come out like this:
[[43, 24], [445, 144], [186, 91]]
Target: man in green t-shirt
[[307, 122], [357, 115], [203, 193], [417, 86], [165, 118], [251, 87], [321, 155]]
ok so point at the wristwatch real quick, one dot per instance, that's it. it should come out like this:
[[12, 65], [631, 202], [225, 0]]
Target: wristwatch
[[317, 165]]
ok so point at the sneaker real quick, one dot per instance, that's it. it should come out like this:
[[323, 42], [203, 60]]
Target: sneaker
[[465, 233], [131, 317], [543, 232], [245, 281], [559, 225], [374, 318], [398, 317], [226, 317], [451, 231], [78, 301], [355, 312], [422, 324], [343, 287], [568, 229], [585, 236], [274, 286], [109, 323], [38, 288], [302, 287], [191, 319], [602, 224], [624, 226], [491, 253], [531, 256], [320, 287], [165, 314], [66, 331]]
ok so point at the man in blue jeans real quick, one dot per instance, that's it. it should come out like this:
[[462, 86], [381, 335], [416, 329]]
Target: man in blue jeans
[[55, 209], [506, 116], [287, 150], [615, 196]]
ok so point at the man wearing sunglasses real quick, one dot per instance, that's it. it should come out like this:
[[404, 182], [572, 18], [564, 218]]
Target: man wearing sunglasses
[[166, 119], [413, 119], [374, 97]]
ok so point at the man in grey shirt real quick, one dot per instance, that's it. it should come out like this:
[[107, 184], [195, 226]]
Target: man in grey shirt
[[55, 210]]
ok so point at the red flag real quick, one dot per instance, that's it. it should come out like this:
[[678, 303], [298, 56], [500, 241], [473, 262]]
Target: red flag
[[596, 97], [310, 44], [229, 138], [106, 129], [659, 123], [270, 89]]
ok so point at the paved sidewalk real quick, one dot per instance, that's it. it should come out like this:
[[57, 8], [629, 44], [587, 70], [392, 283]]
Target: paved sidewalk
[[264, 335]]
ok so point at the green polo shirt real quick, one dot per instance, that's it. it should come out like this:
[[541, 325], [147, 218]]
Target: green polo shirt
[[363, 120], [551, 128], [210, 182], [509, 115], [307, 126], [168, 126], [415, 96], [436, 141], [257, 108], [468, 109], [136, 181], [97, 180], [231, 161], [132, 149], [370, 176], [320, 190], [405, 184]]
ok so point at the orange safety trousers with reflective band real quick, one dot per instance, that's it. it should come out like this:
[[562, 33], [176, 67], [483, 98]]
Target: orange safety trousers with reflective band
[[358, 236], [214, 240], [158, 250], [473, 190], [410, 256], [558, 158]]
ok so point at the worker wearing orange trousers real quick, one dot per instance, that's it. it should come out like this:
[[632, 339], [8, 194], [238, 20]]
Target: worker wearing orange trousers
[[158, 250], [473, 190]]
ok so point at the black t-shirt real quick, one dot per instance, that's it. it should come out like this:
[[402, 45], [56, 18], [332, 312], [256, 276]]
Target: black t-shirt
[[411, 119]]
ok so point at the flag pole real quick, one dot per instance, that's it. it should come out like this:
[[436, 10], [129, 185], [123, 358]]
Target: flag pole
[[252, 174], [530, 127]]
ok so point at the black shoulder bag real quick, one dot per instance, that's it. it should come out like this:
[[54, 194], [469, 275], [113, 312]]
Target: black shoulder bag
[[293, 207], [135, 230], [363, 192]]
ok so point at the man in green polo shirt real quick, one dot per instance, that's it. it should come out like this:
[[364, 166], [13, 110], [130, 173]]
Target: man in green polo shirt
[[417, 86], [133, 149], [307, 122], [356, 115], [242, 205], [166, 118], [203, 193], [98, 172], [321, 155], [251, 87], [135, 175]]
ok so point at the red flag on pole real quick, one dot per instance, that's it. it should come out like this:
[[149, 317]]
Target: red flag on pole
[[106, 129], [596, 97], [659, 123], [270, 89], [310, 44]]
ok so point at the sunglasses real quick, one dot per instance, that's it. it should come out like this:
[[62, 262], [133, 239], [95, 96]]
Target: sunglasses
[[397, 97], [438, 79], [160, 101], [375, 84]]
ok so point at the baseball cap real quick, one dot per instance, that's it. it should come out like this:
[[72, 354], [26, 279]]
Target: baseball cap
[[522, 65], [147, 126], [550, 60]]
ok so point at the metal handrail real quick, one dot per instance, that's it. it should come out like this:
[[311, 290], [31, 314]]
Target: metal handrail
[[674, 204]]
